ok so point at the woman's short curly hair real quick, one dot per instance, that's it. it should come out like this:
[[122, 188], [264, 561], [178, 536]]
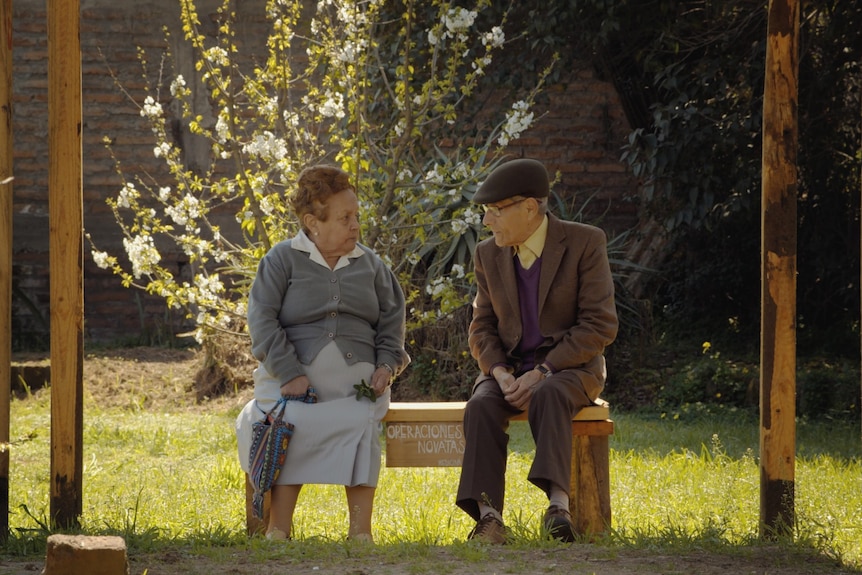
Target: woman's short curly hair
[[314, 187]]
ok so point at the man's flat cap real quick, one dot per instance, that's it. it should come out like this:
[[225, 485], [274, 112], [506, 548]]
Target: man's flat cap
[[522, 177]]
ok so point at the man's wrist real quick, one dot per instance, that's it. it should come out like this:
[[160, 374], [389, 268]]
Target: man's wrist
[[544, 370]]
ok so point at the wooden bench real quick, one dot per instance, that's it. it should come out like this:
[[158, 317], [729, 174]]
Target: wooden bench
[[431, 434]]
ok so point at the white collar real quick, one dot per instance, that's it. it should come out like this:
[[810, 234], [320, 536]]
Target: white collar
[[303, 243]]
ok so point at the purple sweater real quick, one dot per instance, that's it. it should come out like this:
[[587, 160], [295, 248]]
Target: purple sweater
[[528, 298]]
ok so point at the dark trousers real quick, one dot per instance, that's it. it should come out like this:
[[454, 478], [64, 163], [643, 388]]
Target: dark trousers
[[554, 403]]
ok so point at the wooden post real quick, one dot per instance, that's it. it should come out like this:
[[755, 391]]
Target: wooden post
[[590, 485], [5, 258], [66, 243], [778, 273]]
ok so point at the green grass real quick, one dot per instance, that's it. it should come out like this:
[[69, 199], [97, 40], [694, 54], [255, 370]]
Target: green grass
[[678, 481]]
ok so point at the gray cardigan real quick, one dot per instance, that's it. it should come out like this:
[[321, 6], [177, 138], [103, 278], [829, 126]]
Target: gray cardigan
[[297, 306]]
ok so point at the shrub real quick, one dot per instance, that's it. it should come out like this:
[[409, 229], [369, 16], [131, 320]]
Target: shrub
[[375, 88]]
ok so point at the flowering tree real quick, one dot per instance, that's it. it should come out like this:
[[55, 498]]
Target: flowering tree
[[381, 91]]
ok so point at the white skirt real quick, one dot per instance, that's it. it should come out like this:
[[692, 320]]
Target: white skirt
[[336, 440]]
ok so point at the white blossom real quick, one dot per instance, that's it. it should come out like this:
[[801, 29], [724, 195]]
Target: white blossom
[[209, 286], [494, 38], [177, 85], [266, 205], [127, 195], [333, 107], [151, 108], [270, 106], [458, 20], [348, 52], [162, 149], [102, 259], [142, 253], [480, 64], [266, 146], [472, 217], [437, 286], [399, 127], [217, 55], [188, 210], [518, 119], [291, 118], [222, 128], [434, 176]]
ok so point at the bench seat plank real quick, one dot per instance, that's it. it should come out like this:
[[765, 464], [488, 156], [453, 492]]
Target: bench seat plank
[[403, 411]]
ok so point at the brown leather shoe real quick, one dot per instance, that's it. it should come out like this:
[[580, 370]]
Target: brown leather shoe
[[558, 523], [489, 529]]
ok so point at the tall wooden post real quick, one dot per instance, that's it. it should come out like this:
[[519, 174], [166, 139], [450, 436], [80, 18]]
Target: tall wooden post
[[66, 209], [5, 257], [778, 273]]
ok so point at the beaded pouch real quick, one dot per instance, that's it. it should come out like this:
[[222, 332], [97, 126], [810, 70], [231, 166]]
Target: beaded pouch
[[269, 440]]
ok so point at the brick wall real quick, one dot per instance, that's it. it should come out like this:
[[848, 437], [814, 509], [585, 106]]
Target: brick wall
[[580, 136]]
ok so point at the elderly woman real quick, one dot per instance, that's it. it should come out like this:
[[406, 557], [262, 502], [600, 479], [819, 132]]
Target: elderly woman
[[326, 313]]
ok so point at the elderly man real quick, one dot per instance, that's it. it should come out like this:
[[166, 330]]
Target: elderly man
[[543, 314]]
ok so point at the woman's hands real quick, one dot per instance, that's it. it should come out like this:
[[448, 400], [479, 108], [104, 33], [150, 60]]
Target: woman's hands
[[298, 386], [380, 380]]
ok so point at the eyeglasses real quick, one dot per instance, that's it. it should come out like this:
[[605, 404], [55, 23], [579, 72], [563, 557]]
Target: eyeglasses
[[496, 210]]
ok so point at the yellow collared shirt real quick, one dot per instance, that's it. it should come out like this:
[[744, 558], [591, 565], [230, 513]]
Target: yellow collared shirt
[[531, 250]]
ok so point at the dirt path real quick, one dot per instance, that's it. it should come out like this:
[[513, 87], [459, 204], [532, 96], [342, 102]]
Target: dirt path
[[576, 559]]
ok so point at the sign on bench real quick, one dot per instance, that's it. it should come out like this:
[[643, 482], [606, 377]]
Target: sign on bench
[[431, 434]]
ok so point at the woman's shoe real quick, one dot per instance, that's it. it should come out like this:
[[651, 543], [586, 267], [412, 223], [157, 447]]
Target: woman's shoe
[[276, 534], [361, 538]]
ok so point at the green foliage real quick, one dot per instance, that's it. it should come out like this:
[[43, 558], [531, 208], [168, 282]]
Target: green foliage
[[442, 367], [828, 389], [713, 382], [690, 77], [383, 90]]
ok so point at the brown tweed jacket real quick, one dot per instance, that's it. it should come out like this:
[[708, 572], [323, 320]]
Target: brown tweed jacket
[[577, 314]]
